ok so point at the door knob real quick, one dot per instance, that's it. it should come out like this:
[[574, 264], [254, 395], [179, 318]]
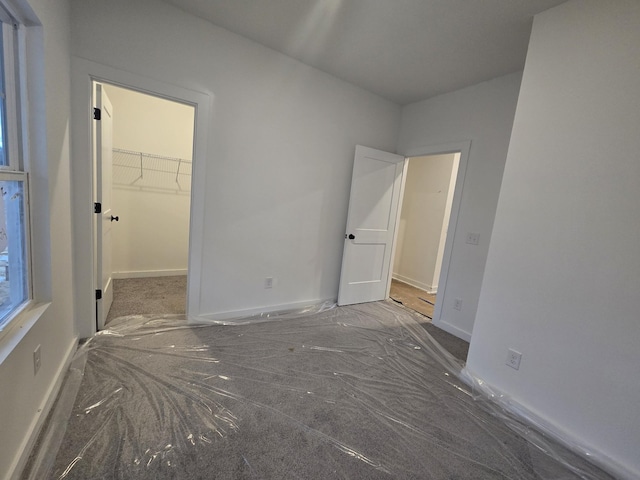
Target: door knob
[[352, 236], [114, 218]]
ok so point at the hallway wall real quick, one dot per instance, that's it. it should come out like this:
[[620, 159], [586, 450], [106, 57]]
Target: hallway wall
[[426, 195]]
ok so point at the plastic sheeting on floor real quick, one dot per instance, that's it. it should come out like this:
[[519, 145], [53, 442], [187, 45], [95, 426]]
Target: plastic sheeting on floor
[[349, 392]]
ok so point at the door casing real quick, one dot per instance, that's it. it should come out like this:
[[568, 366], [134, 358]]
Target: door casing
[[463, 148], [83, 74], [102, 158]]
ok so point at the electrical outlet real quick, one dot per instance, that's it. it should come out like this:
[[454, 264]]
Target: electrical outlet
[[36, 360], [268, 282], [457, 304], [473, 238], [513, 359]]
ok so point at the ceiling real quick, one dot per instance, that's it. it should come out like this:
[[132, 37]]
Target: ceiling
[[403, 50]]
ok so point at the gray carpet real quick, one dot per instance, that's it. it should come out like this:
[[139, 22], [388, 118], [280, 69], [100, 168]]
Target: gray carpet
[[166, 295], [352, 392], [455, 346], [159, 295]]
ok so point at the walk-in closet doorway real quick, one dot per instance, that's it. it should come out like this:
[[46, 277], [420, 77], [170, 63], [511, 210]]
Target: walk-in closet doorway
[[150, 160]]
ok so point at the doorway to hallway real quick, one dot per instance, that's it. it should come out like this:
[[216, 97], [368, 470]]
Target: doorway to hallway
[[422, 230]]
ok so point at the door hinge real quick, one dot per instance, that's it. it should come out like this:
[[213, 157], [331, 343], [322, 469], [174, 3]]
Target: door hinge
[[97, 114], [98, 294], [97, 207]]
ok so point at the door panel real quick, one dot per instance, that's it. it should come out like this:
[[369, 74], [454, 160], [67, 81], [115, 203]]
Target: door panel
[[104, 149], [363, 270], [373, 208]]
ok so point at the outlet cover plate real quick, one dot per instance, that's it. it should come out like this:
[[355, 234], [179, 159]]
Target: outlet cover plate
[[37, 362], [473, 238], [457, 304], [513, 359]]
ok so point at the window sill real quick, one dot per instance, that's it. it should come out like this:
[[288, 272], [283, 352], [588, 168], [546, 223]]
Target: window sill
[[18, 328]]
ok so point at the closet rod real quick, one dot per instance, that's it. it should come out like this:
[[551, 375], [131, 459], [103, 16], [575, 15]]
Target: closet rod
[[151, 155]]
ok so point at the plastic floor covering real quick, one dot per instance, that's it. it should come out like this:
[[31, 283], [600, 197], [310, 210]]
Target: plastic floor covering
[[359, 392]]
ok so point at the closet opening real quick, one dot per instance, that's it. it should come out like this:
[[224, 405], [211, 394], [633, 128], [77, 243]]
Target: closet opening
[[145, 172]]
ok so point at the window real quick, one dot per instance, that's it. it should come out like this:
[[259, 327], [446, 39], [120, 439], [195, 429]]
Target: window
[[15, 291]]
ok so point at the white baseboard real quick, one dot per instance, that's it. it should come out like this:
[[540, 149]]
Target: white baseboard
[[433, 289], [232, 315], [453, 330], [149, 273], [20, 461]]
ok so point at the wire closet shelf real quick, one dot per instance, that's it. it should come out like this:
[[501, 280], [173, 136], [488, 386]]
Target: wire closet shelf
[[146, 171]]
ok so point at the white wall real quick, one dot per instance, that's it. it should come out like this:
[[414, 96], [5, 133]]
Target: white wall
[[484, 115], [23, 395], [563, 273], [444, 232], [280, 147], [152, 236], [422, 220], [151, 124]]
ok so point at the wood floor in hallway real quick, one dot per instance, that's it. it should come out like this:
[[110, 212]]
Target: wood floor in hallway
[[413, 298]]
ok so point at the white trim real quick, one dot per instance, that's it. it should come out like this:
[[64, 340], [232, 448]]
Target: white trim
[[83, 74], [13, 86], [452, 329], [15, 329], [23, 95], [394, 243], [26, 72], [149, 273], [464, 148], [20, 11], [270, 309], [35, 155], [5, 16], [23, 453], [431, 289]]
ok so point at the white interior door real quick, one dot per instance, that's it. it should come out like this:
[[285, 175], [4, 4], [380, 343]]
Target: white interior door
[[373, 208], [104, 219]]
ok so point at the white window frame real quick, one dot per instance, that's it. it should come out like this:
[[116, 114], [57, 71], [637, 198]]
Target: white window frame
[[16, 146]]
